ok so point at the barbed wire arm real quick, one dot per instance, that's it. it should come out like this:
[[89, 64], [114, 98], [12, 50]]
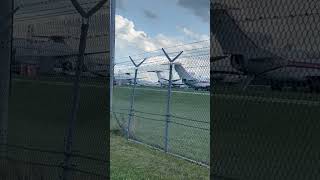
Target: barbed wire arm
[[171, 60], [78, 7], [133, 61], [137, 65], [142, 61], [92, 11], [96, 8]]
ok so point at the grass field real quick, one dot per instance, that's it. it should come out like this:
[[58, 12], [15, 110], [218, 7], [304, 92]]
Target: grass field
[[136, 162], [189, 129], [39, 112], [265, 134], [268, 124], [43, 108]]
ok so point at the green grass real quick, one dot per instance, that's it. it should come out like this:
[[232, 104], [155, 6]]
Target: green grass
[[39, 114], [136, 162], [256, 133], [39, 111], [148, 127], [265, 139]]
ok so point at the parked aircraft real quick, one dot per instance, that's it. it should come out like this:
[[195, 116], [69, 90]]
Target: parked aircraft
[[254, 62], [163, 82], [53, 55], [123, 79], [190, 80]]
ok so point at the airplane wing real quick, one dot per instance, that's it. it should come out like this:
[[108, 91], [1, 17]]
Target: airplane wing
[[164, 79], [217, 58], [304, 65], [251, 77], [176, 84], [175, 80], [245, 83], [98, 74]]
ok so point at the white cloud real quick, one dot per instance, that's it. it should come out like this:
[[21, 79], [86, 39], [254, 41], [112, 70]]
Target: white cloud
[[193, 35], [127, 36], [129, 41]]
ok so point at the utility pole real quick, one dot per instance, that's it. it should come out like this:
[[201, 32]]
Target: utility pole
[[5, 54]]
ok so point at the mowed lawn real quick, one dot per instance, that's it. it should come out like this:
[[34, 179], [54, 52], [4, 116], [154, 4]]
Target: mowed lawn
[[265, 133], [189, 129], [38, 119], [39, 111], [136, 162]]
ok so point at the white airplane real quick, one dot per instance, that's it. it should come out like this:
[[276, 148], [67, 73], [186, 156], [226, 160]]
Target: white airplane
[[163, 82], [253, 62], [128, 79], [123, 79], [148, 83], [53, 55], [190, 80]]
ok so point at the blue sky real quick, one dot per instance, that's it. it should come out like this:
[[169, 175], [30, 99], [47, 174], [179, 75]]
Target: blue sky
[[145, 25]]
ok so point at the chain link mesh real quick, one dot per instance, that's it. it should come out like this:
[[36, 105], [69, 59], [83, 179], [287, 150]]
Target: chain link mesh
[[265, 101], [46, 38], [188, 130]]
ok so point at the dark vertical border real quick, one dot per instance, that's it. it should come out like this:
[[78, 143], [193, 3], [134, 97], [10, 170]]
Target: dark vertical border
[[12, 49], [211, 93], [112, 8]]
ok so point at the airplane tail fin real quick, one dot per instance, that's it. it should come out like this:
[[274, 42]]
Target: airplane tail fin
[[182, 72], [230, 36], [159, 75]]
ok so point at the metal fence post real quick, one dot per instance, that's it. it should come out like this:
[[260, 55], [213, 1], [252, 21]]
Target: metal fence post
[[168, 113], [133, 95], [168, 110], [76, 85], [76, 100], [132, 102], [112, 5]]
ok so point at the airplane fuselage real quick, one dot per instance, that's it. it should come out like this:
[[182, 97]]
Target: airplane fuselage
[[196, 84]]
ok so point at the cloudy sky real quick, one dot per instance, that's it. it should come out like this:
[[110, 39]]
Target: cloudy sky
[[144, 25]]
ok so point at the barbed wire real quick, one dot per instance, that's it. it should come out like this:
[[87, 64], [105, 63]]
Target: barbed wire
[[41, 9], [51, 15], [160, 49], [143, 69], [162, 56]]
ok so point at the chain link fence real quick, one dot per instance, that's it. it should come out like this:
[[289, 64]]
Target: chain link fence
[[167, 113], [265, 72], [59, 102]]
